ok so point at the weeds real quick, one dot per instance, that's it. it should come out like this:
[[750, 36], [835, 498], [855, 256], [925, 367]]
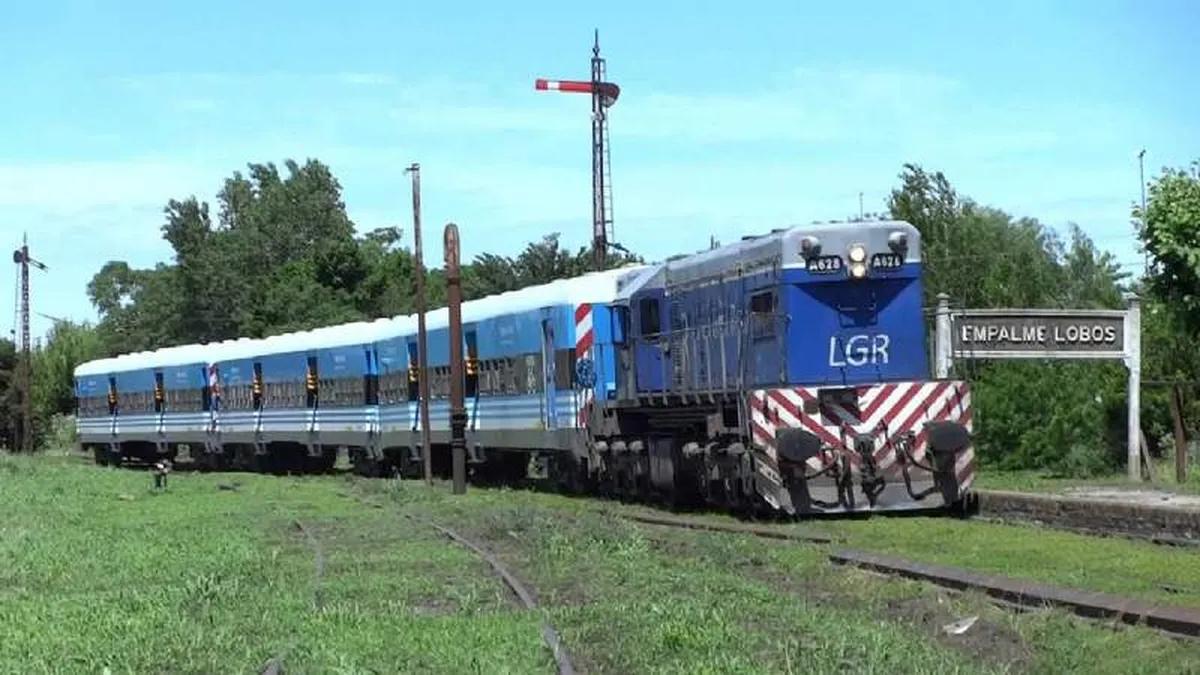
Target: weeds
[[201, 579]]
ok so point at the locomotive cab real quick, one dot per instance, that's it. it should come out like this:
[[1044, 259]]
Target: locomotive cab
[[809, 344]]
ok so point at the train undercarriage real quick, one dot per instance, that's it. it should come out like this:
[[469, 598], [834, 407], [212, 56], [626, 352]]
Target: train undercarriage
[[795, 451]]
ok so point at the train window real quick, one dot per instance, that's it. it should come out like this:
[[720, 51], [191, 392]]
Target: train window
[[516, 375], [648, 317], [622, 325], [763, 303], [533, 374], [564, 368], [762, 314]]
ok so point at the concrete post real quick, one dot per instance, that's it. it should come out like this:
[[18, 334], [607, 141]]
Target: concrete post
[[1133, 361], [942, 357]]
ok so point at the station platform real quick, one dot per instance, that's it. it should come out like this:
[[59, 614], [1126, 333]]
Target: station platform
[[1161, 516]]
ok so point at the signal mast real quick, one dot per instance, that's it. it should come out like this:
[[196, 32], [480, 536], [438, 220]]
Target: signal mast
[[604, 95], [25, 349]]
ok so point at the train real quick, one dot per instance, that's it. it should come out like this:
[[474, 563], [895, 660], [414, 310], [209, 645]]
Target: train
[[786, 372]]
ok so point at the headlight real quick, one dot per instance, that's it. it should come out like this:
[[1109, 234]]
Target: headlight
[[858, 270], [858, 254]]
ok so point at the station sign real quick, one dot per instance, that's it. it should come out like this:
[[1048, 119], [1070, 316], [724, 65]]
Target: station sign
[[1031, 333], [966, 334]]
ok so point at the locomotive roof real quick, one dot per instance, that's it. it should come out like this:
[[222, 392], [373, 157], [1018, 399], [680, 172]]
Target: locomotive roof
[[782, 247]]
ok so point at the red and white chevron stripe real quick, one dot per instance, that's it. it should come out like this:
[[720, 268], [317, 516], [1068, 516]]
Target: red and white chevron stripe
[[584, 338], [887, 412]]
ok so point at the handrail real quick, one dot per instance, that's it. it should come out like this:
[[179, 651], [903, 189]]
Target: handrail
[[685, 378]]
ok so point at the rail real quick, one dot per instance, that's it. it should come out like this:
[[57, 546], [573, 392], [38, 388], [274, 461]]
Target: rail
[[549, 635], [1183, 621]]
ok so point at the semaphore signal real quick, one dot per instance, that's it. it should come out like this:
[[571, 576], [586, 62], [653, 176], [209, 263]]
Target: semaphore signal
[[604, 95]]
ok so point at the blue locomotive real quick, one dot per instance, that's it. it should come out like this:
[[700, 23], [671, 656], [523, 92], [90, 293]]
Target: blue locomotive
[[786, 371]]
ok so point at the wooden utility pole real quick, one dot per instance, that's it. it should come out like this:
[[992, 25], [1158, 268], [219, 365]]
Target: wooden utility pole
[[422, 340], [1181, 451]]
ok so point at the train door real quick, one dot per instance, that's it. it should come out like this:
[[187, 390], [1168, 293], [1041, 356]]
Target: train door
[[549, 394], [650, 340], [414, 385], [114, 405], [766, 330], [370, 377], [160, 403], [471, 378], [208, 392]]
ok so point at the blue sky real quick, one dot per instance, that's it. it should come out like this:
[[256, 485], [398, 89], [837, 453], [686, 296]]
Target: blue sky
[[734, 118]]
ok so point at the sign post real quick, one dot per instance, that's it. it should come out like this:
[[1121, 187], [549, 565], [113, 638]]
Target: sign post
[[941, 349], [1048, 334], [1133, 361]]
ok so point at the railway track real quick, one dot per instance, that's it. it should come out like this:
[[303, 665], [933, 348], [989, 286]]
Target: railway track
[[1182, 621], [1004, 591], [550, 636], [275, 664], [734, 528]]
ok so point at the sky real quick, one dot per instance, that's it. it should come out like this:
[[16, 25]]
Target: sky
[[734, 118]]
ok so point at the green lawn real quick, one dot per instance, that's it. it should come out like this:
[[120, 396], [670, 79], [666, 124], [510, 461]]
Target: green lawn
[[676, 600], [98, 571]]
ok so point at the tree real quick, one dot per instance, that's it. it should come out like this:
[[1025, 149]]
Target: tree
[[389, 286], [539, 263], [139, 309], [1090, 278], [983, 257], [978, 255], [8, 400], [67, 345], [281, 255], [489, 273], [1170, 232]]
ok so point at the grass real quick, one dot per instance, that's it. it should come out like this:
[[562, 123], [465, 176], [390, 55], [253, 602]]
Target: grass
[[1115, 565], [634, 598], [97, 571]]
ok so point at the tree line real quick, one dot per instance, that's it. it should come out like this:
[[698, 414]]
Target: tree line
[[277, 252]]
